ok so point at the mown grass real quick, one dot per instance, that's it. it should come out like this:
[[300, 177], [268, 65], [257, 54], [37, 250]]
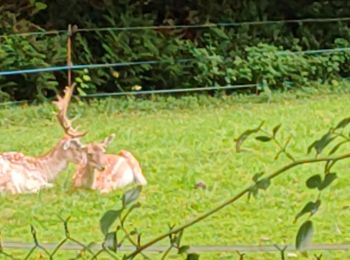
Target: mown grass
[[179, 142]]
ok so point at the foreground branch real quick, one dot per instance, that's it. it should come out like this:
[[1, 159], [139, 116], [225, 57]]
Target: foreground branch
[[234, 199]]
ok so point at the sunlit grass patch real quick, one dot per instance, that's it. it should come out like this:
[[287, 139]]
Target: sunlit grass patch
[[179, 144]]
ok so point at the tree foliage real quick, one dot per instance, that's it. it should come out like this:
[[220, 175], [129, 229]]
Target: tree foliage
[[221, 55]]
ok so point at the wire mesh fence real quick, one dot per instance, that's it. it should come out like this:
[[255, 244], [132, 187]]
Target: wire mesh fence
[[93, 250]]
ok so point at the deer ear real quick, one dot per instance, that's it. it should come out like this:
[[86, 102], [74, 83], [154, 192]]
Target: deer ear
[[66, 145], [72, 142], [108, 140]]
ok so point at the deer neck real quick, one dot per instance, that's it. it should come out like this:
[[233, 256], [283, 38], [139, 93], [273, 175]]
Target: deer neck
[[88, 174], [53, 162]]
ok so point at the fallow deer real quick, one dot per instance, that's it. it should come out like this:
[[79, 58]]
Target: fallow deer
[[107, 172], [25, 174]]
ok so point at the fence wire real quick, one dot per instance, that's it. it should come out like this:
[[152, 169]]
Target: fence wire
[[70, 246], [182, 26], [155, 62], [145, 92], [147, 62], [113, 249], [93, 250], [169, 91]]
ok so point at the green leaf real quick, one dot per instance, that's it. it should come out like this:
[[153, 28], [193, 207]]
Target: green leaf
[[328, 179], [192, 256], [311, 207], [108, 219], [219, 33], [263, 184], [263, 138], [304, 235], [275, 129], [86, 78], [323, 142], [257, 176], [311, 146], [134, 232], [245, 135], [40, 6], [183, 249], [131, 196], [314, 182], [81, 92], [343, 123], [110, 241], [253, 190]]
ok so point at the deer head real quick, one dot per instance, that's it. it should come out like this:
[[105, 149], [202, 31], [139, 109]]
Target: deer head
[[94, 153]]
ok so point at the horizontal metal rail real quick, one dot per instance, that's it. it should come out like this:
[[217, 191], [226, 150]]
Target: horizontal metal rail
[[144, 92], [89, 66], [196, 248], [146, 62], [166, 91], [211, 25]]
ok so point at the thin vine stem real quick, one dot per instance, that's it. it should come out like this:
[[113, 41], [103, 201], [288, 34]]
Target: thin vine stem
[[283, 148], [58, 246], [167, 252]]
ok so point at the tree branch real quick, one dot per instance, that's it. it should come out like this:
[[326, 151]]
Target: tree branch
[[234, 199]]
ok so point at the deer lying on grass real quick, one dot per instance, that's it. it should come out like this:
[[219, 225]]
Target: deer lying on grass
[[24, 174], [116, 172]]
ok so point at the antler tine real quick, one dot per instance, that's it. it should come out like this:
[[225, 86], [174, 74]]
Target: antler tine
[[62, 104]]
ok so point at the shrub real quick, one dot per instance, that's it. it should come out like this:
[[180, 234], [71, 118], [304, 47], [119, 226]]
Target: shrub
[[221, 55]]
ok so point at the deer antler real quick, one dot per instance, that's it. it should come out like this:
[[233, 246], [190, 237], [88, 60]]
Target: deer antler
[[62, 105]]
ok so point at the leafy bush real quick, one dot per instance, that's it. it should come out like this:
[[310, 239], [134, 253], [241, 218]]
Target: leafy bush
[[29, 52], [268, 66], [221, 55]]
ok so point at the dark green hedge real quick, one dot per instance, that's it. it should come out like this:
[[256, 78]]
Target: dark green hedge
[[223, 55]]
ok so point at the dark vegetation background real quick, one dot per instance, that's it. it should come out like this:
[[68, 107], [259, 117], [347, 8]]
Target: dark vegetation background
[[223, 55]]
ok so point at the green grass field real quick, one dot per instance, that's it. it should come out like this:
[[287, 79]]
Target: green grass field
[[180, 142]]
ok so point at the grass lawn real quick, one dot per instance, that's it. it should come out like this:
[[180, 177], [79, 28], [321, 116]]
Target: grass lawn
[[180, 142]]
